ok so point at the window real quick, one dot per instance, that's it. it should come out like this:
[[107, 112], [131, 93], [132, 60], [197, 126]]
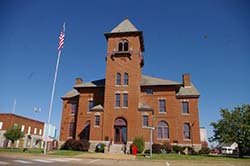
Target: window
[[1, 125], [185, 107], [120, 46], [97, 120], [162, 105], [163, 130], [117, 100], [123, 45], [91, 104], [23, 127], [125, 79], [40, 132], [125, 100], [35, 129], [73, 107], [29, 130], [71, 129], [186, 131], [144, 120], [149, 91], [118, 79]]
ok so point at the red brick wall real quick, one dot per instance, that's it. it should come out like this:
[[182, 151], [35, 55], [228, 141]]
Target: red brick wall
[[10, 119], [131, 65]]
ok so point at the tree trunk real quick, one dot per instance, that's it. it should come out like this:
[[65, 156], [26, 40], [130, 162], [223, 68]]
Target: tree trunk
[[12, 144], [240, 151]]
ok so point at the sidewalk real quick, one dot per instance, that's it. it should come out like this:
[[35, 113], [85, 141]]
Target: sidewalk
[[84, 155], [109, 156]]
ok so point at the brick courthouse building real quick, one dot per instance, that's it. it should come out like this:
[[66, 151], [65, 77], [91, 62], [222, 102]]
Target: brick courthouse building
[[120, 107]]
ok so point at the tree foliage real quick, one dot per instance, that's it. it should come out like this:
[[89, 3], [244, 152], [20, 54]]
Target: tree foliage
[[14, 133], [233, 127]]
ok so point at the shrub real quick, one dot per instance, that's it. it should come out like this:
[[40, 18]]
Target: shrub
[[167, 147], [82, 145], [204, 150], [190, 150], [156, 148], [139, 143], [100, 147], [68, 145], [79, 145], [178, 149]]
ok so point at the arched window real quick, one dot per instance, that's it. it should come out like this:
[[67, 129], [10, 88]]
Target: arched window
[[123, 45], [120, 46], [186, 131], [125, 79], [163, 130], [118, 79]]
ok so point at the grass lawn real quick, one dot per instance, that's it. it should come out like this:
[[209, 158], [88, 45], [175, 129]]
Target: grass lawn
[[20, 150], [66, 152], [173, 156]]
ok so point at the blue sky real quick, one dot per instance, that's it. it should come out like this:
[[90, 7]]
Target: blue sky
[[208, 39]]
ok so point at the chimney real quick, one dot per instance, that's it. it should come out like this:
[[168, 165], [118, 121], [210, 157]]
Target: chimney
[[186, 80], [78, 81]]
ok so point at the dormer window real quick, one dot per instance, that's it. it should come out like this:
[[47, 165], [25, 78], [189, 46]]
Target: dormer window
[[123, 45]]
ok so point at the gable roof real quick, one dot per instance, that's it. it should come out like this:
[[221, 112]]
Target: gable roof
[[188, 91], [96, 83], [124, 26], [152, 81], [145, 81], [70, 94]]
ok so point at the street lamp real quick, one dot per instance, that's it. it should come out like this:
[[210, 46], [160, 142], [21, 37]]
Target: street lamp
[[151, 128]]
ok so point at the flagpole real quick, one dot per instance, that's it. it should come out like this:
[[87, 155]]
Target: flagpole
[[51, 99]]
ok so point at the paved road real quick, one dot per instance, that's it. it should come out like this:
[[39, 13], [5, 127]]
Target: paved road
[[68, 161]]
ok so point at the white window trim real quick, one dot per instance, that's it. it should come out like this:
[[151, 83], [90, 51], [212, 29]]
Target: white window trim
[[1, 125]]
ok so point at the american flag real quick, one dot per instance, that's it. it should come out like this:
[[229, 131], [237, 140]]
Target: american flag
[[61, 38]]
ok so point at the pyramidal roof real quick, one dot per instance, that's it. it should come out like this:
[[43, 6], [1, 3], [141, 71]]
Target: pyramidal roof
[[124, 26]]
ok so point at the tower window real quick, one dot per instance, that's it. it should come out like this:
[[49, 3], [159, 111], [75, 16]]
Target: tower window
[[123, 45], [125, 100], [117, 100], [120, 46], [125, 78], [118, 79]]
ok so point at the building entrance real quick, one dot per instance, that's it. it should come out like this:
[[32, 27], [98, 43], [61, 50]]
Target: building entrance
[[120, 130]]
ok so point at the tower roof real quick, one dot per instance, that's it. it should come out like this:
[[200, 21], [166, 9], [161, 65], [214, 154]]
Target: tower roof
[[124, 26]]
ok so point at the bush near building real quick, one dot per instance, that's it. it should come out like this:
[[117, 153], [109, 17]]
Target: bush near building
[[139, 143], [204, 150], [77, 145]]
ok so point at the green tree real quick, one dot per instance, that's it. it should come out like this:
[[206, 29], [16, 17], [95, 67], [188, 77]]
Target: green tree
[[233, 127], [14, 133]]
